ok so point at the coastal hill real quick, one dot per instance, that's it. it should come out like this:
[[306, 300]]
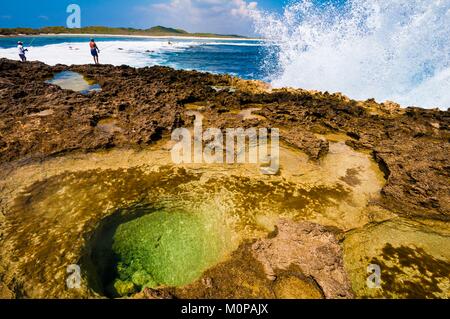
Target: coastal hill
[[154, 31]]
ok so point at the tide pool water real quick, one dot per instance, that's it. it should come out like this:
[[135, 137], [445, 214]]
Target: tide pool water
[[131, 221], [69, 80], [168, 248]]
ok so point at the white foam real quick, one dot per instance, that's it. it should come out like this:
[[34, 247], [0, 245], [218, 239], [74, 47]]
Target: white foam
[[389, 50], [240, 44], [133, 53]]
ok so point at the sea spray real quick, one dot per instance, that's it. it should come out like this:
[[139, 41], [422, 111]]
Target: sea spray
[[389, 50]]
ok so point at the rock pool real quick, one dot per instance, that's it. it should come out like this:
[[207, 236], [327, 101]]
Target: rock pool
[[69, 80]]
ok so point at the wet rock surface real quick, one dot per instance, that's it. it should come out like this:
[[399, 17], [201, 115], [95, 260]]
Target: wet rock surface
[[297, 260], [412, 145], [68, 158], [412, 257], [311, 247], [306, 141]]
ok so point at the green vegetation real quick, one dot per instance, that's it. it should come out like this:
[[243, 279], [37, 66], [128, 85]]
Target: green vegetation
[[155, 31], [166, 249]]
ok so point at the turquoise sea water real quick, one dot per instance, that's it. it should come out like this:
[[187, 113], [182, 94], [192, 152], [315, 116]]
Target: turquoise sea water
[[243, 58]]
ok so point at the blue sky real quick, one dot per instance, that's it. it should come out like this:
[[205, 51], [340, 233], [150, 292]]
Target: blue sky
[[218, 16]]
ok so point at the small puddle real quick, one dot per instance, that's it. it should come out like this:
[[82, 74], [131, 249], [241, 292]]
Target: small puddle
[[43, 113], [196, 106], [220, 88], [109, 126], [248, 114], [74, 81]]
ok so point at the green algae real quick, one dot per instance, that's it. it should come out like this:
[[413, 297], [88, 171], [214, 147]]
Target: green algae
[[411, 272], [166, 249], [413, 257]]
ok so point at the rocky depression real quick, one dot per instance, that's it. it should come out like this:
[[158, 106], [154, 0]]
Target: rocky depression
[[88, 180]]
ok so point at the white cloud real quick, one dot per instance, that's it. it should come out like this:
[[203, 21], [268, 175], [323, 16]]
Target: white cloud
[[217, 16], [244, 8]]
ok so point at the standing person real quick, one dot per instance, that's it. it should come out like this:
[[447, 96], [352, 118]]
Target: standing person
[[94, 50], [22, 51]]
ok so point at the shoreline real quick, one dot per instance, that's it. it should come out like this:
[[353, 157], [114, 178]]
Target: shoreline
[[43, 35], [387, 104]]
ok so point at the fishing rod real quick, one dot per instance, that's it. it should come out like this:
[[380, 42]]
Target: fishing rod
[[31, 41], [109, 46]]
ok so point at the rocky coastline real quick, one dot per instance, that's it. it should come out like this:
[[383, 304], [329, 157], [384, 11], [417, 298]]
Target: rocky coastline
[[45, 131]]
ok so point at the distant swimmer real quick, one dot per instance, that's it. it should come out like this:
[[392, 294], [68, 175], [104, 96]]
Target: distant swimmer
[[22, 51], [94, 50], [169, 43]]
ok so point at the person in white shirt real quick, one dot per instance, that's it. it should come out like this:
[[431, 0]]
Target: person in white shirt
[[22, 51]]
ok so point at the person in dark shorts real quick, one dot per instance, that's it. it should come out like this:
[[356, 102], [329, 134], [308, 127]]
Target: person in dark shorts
[[94, 50], [22, 51]]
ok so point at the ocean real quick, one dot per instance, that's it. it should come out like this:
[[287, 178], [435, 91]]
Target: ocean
[[241, 58], [397, 50]]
